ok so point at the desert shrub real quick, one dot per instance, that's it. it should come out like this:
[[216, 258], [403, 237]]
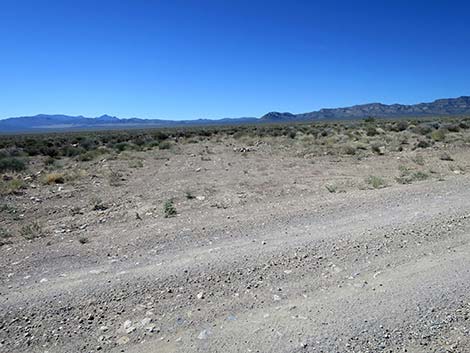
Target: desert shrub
[[139, 141], [464, 125], [331, 188], [419, 160], [451, 127], [408, 176], [89, 143], [11, 164], [377, 147], [292, 134], [401, 125], [153, 144], [4, 233], [4, 236], [49, 161], [50, 151], [8, 209], [72, 151], [376, 182], [32, 231], [121, 146], [12, 152], [438, 135], [205, 133], [98, 204], [90, 155], [371, 131], [115, 178], [350, 150], [423, 129], [11, 186], [164, 145], [403, 177], [86, 156], [75, 174], [422, 144], [160, 135], [420, 175], [239, 134], [169, 209], [136, 163]]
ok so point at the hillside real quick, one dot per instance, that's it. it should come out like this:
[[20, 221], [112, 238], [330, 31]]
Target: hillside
[[440, 107]]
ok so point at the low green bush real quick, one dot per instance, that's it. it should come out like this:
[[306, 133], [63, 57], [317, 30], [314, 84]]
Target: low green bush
[[12, 164]]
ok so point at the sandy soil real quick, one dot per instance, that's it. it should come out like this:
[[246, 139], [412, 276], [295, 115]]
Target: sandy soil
[[271, 250]]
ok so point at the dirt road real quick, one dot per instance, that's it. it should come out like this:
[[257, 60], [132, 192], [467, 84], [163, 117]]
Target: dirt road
[[367, 271]]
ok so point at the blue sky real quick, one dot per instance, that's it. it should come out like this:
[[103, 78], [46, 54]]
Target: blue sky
[[214, 59]]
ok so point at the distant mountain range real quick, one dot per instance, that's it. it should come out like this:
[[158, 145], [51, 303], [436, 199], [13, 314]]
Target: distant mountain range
[[43, 122], [440, 107], [40, 123]]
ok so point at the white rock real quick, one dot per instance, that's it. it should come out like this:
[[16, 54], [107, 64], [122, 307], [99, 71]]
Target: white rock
[[130, 329], [122, 340], [146, 321], [203, 335]]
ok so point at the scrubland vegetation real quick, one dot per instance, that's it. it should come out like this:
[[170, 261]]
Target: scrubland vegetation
[[356, 139], [347, 137], [253, 215]]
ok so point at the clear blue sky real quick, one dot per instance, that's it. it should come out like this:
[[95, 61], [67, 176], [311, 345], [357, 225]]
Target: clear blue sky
[[213, 59]]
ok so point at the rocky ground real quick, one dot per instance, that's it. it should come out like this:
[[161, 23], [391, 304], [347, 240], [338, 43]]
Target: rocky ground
[[270, 250]]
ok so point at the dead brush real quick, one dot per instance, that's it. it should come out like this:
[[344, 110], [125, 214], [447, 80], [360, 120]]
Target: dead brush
[[55, 178], [32, 231], [115, 177], [4, 236], [169, 209]]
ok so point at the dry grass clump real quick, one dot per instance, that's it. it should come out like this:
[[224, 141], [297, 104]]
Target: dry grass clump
[[55, 178], [115, 178], [376, 182], [4, 236], [408, 176], [32, 231], [169, 209], [11, 186]]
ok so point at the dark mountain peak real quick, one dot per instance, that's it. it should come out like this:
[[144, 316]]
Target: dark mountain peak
[[277, 116], [106, 117]]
